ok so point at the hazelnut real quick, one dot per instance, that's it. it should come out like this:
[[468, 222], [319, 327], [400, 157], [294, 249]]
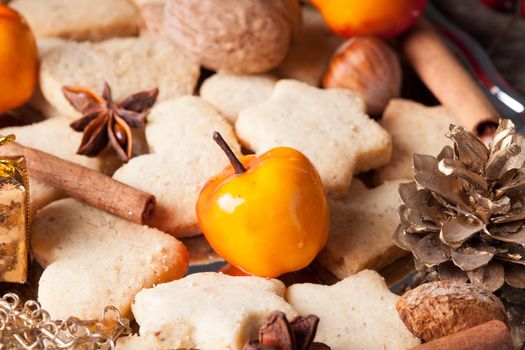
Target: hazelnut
[[368, 66], [242, 36]]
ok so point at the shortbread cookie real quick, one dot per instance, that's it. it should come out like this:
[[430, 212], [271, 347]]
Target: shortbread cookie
[[136, 342], [310, 50], [329, 126], [152, 19], [56, 137], [94, 259], [129, 65], [184, 156], [79, 19], [357, 313], [209, 310], [232, 93], [38, 100], [45, 45], [415, 128], [147, 2], [361, 229]]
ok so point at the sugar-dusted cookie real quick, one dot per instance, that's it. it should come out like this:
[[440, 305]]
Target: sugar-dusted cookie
[[356, 313], [232, 93], [94, 259], [209, 310], [129, 65], [361, 229], [79, 19], [328, 126], [184, 156], [415, 128], [56, 137], [310, 50]]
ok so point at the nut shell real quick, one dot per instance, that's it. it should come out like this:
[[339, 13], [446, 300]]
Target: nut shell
[[436, 309], [368, 66], [242, 36]]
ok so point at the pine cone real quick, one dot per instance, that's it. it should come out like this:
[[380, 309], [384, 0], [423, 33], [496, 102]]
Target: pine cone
[[465, 211]]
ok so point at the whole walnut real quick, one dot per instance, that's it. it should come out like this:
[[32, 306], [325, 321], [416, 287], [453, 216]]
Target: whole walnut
[[238, 36]]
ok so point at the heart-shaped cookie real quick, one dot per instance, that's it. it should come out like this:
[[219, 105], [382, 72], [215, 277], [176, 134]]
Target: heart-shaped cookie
[[128, 65], [184, 156], [94, 259]]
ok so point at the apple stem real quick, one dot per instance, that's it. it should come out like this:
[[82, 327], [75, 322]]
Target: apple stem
[[236, 163]]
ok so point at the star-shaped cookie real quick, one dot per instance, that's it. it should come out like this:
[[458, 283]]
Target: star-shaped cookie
[[208, 310], [361, 229], [415, 128], [356, 313], [184, 156], [329, 126]]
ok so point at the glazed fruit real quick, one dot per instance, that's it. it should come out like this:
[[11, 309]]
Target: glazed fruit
[[385, 18], [18, 60], [267, 215]]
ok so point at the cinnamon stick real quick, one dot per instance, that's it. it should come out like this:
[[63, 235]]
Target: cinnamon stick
[[492, 335], [90, 186], [448, 80]]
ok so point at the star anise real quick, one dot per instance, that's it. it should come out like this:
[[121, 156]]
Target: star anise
[[279, 334], [103, 121]]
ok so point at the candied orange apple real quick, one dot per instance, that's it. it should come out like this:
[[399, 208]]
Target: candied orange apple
[[18, 60]]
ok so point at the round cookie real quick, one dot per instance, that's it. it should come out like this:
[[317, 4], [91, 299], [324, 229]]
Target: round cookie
[[232, 93]]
